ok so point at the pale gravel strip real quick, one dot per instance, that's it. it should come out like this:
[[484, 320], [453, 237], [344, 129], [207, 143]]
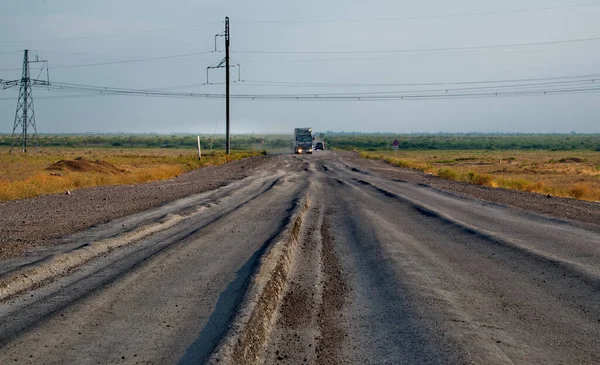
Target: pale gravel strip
[[246, 340], [28, 277]]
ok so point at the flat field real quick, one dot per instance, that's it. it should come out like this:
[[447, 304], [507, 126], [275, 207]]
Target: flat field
[[574, 174], [57, 169]]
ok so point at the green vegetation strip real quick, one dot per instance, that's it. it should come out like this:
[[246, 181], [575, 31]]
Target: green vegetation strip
[[467, 141]]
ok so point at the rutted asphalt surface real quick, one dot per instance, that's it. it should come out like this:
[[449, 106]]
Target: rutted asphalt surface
[[42, 221], [386, 272]]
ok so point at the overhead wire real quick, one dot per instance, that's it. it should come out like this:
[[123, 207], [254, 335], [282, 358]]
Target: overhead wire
[[523, 89], [421, 50], [487, 85], [70, 96], [391, 51], [493, 81], [485, 89], [521, 52], [372, 52], [122, 61], [546, 85]]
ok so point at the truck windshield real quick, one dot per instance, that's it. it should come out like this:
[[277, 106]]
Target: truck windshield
[[305, 138]]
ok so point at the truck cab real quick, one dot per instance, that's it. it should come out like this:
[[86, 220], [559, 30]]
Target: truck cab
[[303, 140]]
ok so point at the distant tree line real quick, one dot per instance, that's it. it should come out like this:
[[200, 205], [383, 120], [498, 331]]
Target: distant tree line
[[346, 141], [238, 142], [474, 141]]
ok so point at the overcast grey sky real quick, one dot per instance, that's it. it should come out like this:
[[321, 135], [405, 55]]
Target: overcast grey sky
[[75, 32]]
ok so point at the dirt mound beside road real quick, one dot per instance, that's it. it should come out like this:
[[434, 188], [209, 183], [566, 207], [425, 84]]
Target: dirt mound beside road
[[80, 164], [27, 223]]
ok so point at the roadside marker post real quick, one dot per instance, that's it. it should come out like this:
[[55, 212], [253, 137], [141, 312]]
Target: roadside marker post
[[199, 151], [395, 145]]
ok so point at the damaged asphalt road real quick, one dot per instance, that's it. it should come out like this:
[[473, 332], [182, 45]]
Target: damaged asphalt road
[[378, 271]]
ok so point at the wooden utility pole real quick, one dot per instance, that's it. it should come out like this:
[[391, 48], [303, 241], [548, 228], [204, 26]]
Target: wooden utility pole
[[225, 63]]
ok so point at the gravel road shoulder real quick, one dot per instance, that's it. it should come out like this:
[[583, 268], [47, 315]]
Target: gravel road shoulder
[[41, 221]]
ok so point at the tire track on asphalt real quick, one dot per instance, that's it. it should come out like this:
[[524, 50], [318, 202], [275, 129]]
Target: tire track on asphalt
[[91, 275], [294, 337], [246, 341], [383, 316], [544, 260], [335, 292], [308, 328], [500, 298]]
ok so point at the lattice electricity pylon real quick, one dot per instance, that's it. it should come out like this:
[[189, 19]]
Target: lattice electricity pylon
[[25, 114]]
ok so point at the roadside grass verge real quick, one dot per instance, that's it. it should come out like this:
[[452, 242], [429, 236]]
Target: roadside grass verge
[[396, 161], [27, 176], [570, 174]]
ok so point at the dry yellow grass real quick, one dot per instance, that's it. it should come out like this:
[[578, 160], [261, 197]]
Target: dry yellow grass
[[25, 176], [574, 174]]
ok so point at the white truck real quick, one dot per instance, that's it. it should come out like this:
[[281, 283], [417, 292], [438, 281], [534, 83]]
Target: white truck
[[303, 140]]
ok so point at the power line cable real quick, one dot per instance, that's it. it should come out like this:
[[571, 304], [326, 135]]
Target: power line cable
[[514, 45], [121, 61], [404, 56], [430, 50], [319, 84], [548, 81], [322, 97], [509, 90], [70, 96], [545, 85], [356, 98], [584, 77]]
